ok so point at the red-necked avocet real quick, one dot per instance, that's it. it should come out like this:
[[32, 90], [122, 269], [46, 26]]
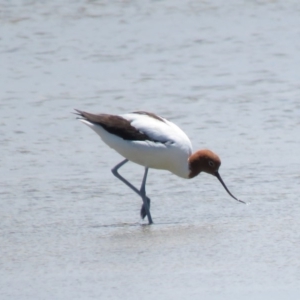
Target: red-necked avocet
[[153, 142]]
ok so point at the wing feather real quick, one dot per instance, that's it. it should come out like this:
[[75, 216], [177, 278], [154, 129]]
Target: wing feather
[[117, 125]]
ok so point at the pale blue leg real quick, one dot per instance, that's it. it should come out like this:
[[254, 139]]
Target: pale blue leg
[[141, 193], [144, 197]]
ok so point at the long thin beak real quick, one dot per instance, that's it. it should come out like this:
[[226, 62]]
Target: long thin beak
[[225, 187]]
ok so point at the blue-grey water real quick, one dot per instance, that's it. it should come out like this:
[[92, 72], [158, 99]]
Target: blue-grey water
[[226, 73]]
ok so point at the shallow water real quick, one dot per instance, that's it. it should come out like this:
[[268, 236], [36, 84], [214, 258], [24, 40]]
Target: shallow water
[[227, 75]]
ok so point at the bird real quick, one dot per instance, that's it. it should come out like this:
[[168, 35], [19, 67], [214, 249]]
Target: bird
[[153, 142]]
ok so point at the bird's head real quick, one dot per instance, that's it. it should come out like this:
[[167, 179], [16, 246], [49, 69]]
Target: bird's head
[[204, 161], [208, 162]]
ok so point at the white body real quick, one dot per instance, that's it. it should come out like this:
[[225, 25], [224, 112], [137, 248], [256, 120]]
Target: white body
[[172, 155]]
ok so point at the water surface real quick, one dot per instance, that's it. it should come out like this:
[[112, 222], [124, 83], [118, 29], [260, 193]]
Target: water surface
[[226, 74]]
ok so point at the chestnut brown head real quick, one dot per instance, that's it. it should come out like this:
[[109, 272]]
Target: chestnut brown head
[[208, 162]]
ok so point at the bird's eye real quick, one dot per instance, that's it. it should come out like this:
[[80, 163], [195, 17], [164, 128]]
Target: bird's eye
[[211, 163]]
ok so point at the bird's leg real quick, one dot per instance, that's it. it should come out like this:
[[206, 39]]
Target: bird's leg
[[115, 172], [143, 210], [146, 200]]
